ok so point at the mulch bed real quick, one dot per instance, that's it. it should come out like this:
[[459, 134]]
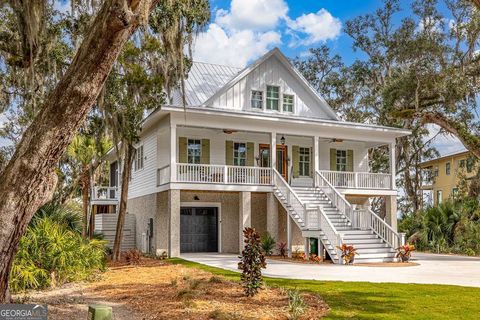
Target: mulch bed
[[298, 260]]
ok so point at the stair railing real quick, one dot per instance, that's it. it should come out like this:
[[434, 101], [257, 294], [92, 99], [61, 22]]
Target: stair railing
[[332, 235], [291, 197], [336, 197], [384, 230]]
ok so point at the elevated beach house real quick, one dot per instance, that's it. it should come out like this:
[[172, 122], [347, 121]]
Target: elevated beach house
[[254, 147]]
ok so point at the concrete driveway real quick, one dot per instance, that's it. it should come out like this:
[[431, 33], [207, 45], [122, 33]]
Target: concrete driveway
[[432, 269]]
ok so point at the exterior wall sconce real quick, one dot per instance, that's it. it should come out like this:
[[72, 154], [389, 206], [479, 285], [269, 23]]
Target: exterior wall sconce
[[282, 140]]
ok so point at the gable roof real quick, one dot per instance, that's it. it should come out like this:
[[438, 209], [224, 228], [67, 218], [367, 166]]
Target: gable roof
[[203, 81], [288, 65]]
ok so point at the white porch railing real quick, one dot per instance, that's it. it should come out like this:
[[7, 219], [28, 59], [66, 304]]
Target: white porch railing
[[358, 180], [104, 193], [218, 174]]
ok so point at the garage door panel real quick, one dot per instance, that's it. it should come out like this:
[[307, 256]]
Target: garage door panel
[[199, 230]]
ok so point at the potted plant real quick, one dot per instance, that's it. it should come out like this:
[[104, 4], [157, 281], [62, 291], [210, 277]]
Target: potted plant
[[405, 252], [348, 253]]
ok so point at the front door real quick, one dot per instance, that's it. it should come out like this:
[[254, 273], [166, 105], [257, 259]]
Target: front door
[[282, 158], [198, 229]]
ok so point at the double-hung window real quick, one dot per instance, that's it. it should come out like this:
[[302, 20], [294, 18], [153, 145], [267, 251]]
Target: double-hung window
[[138, 162], [257, 99], [239, 154], [273, 97], [194, 151], [447, 168], [341, 160], [288, 103], [304, 162]]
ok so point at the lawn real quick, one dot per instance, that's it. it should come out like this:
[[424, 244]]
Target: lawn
[[364, 300]]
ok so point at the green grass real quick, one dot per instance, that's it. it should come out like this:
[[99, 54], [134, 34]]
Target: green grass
[[364, 300]]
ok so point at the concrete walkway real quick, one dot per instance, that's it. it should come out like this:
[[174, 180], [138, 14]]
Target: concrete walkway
[[432, 269]]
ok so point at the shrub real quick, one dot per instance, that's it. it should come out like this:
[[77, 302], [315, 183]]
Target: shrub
[[251, 263], [282, 249], [348, 253], [268, 243], [296, 304], [51, 253], [132, 256]]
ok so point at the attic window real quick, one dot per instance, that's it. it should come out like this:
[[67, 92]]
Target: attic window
[[257, 99], [288, 102], [273, 97]]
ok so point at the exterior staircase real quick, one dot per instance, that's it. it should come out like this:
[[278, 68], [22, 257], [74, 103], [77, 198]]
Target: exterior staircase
[[322, 212]]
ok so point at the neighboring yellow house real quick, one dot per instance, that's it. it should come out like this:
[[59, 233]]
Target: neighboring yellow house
[[442, 176]]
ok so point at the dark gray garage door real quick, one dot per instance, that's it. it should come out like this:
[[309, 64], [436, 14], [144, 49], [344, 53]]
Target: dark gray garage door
[[198, 229]]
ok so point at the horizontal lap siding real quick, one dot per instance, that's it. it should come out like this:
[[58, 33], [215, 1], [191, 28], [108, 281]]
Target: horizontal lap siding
[[106, 224], [144, 181]]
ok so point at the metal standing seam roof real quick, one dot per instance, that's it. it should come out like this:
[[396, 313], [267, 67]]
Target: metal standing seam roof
[[203, 81]]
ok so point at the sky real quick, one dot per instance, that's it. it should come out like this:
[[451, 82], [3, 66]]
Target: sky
[[241, 31]]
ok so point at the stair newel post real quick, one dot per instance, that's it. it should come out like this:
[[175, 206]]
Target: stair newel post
[[402, 238], [305, 214], [339, 253]]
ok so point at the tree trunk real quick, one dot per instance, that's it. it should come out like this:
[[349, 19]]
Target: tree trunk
[[28, 180], [85, 198], [129, 152]]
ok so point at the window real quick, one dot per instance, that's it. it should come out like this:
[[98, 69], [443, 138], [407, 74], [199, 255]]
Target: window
[[273, 94], [138, 162], [470, 163], [341, 160], [447, 168], [435, 172], [288, 103], [194, 151], [455, 192], [439, 196], [304, 162], [462, 163], [239, 154], [257, 99]]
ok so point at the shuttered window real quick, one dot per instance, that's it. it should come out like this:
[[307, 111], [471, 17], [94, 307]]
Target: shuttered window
[[273, 97], [257, 99], [239, 154], [194, 151], [304, 161]]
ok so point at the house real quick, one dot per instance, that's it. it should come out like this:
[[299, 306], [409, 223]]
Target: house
[[257, 147], [442, 176]]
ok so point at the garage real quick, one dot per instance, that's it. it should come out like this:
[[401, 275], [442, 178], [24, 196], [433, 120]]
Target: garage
[[199, 229]]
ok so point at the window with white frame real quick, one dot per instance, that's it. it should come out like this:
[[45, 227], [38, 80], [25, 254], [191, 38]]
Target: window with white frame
[[341, 160], [257, 99], [239, 154], [439, 196], [194, 151], [447, 168], [304, 162], [138, 162], [273, 97], [288, 102]]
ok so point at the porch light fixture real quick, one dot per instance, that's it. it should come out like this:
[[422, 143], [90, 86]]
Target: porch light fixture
[[196, 198], [282, 140]]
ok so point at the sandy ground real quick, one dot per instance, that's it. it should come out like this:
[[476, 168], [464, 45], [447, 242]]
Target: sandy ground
[[158, 290]]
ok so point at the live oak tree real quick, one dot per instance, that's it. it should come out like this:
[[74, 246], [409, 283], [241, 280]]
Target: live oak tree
[[28, 179]]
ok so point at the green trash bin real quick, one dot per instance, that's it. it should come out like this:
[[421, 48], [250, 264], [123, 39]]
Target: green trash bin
[[313, 245], [99, 312]]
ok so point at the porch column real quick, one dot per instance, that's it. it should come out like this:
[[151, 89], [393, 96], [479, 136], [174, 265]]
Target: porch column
[[391, 211], [273, 150], [392, 165], [320, 248], [289, 235], [244, 215], [316, 156], [173, 152], [173, 207], [272, 215]]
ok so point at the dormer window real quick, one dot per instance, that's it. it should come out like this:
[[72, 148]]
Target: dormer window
[[273, 97], [257, 99], [288, 102]]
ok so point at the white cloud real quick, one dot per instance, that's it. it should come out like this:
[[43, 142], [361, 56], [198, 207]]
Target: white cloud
[[249, 28], [256, 15], [315, 27], [235, 49]]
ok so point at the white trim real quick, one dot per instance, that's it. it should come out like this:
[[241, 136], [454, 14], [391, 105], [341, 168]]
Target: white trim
[[203, 204]]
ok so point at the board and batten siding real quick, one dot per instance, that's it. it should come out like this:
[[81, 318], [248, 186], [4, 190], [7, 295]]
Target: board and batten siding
[[271, 72], [106, 224], [144, 181]]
